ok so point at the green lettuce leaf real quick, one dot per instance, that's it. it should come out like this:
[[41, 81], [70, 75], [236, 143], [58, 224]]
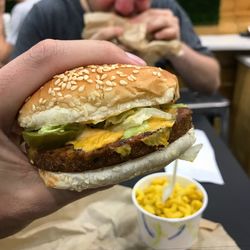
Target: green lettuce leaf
[[141, 115]]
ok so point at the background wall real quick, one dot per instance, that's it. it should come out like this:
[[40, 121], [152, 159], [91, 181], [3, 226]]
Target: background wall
[[233, 18]]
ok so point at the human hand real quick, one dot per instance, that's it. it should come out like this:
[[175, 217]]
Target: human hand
[[23, 195], [107, 34], [160, 22]]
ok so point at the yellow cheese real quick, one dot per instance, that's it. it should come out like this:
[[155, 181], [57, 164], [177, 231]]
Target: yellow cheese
[[157, 123], [92, 139]]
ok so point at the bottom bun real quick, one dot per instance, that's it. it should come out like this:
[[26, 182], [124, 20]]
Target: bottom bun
[[120, 172]]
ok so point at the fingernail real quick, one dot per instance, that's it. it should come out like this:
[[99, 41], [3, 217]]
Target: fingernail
[[136, 59]]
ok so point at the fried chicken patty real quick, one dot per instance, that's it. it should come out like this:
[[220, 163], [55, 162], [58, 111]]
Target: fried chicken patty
[[68, 159]]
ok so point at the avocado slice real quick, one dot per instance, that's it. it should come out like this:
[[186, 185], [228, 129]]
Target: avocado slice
[[52, 136]]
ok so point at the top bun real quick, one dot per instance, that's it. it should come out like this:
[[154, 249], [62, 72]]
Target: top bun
[[94, 93]]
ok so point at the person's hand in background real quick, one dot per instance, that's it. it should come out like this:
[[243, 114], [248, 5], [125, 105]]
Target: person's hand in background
[[23, 195], [161, 23]]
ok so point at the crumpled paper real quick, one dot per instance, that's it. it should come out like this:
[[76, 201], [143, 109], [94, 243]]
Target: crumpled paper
[[102, 221], [134, 39]]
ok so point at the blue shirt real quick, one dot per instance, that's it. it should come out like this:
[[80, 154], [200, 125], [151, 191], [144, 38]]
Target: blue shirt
[[63, 19]]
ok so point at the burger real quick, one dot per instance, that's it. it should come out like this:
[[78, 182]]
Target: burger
[[103, 124]]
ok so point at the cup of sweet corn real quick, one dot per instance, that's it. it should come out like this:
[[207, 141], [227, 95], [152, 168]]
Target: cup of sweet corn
[[172, 224]]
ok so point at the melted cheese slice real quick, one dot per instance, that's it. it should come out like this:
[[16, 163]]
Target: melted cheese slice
[[157, 123], [92, 139]]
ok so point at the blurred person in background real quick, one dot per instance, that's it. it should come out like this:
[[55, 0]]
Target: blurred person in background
[[17, 16], [5, 48], [166, 20]]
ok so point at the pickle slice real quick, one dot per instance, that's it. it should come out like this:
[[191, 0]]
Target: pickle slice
[[52, 137]]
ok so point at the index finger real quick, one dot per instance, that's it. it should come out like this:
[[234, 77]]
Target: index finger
[[21, 77]]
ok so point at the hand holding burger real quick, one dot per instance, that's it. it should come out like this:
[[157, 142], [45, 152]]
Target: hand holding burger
[[24, 197]]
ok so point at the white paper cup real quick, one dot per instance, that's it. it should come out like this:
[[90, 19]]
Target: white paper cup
[[164, 233]]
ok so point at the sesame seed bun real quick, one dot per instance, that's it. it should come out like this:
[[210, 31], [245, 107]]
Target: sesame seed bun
[[94, 93]]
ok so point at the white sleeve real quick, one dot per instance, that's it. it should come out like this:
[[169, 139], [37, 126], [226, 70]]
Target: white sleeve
[[18, 14]]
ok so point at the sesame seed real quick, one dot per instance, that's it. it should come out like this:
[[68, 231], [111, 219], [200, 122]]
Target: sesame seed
[[93, 70], [40, 100], [104, 76], [56, 89], [113, 78], [68, 85], [85, 77], [64, 85], [133, 77], [80, 78], [60, 76], [65, 78], [53, 93], [90, 81], [99, 82], [49, 91], [85, 71], [108, 89], [73, 87], [99, 70], [123, 75], [81, 89], [109, 83], [44, 101], [59, 93], [130, 78], [68, 96], [57, 81], [135, 71], [123, 82], [106, 69], [98, 77], [33, 107], [73, 82], [97, 86]]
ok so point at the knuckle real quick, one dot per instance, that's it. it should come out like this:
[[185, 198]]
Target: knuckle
[[43, 51]]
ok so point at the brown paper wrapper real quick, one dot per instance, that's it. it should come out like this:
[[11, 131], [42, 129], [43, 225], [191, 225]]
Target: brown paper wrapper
[[134, 39], [103, 221]]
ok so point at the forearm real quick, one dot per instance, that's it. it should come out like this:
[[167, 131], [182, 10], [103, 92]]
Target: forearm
[[200, 72]]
